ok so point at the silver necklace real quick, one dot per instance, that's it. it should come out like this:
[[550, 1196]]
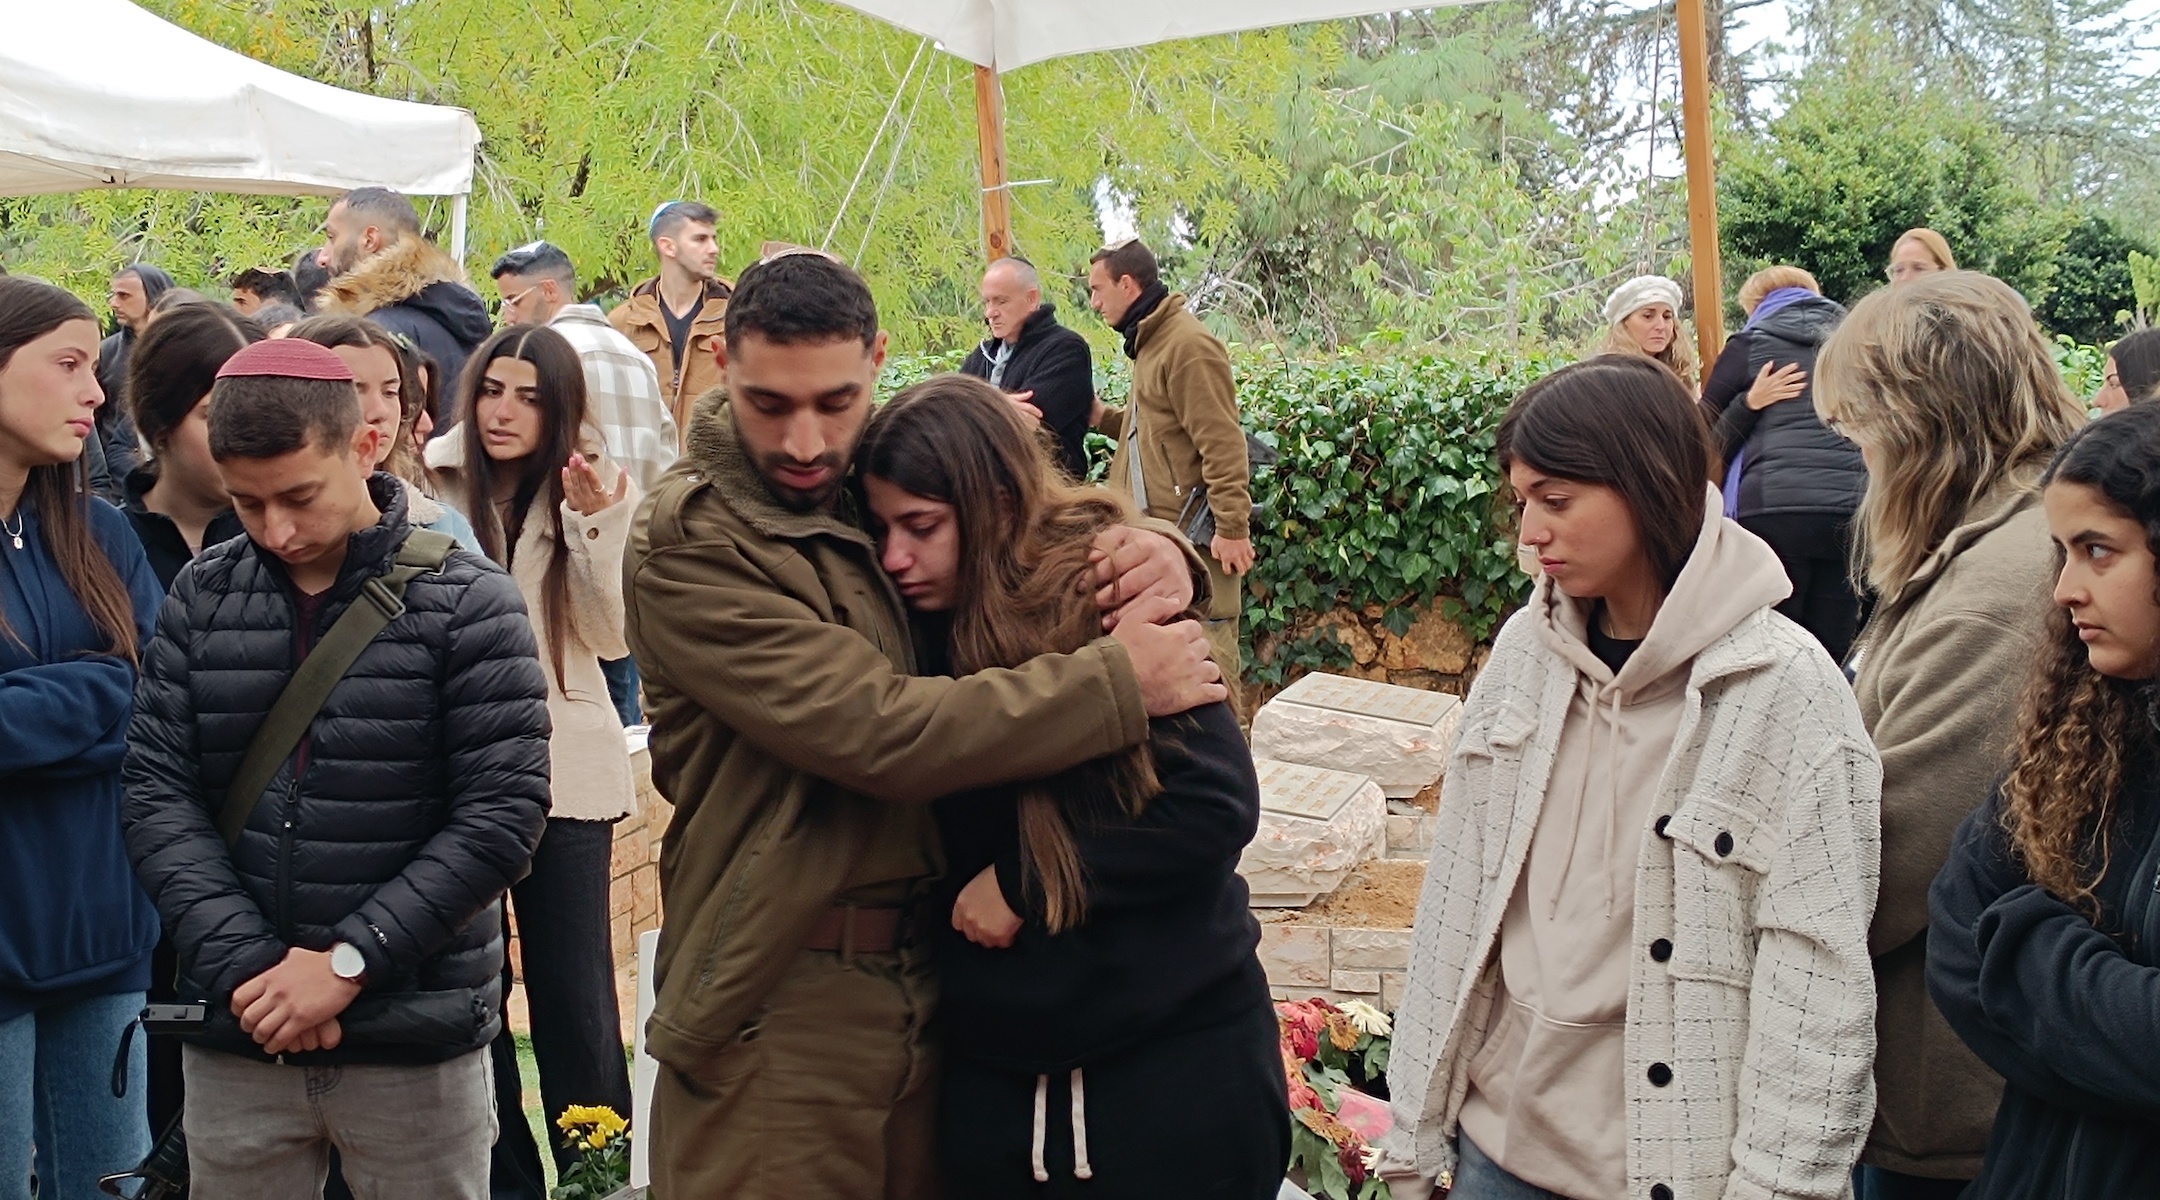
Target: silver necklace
[[16, 533]]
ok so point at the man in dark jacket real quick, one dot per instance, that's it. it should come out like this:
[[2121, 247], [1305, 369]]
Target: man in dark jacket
[[382, 268], [348, 945], [134, 289], [1036, 359]]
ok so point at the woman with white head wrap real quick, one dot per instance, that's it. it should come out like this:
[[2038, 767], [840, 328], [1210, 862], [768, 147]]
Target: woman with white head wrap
[[1642, 316]]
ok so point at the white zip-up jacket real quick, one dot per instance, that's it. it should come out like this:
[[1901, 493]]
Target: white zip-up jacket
[[1749, 1018]]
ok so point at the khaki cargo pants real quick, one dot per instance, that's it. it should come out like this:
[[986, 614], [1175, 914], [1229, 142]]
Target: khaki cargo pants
[[1223, 614], [830, 1091]]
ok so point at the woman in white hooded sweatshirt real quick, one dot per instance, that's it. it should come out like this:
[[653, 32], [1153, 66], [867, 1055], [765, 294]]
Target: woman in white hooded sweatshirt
[[1640, 967]]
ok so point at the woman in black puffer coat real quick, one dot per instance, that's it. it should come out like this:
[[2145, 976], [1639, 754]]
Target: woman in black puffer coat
[[1790, 480]]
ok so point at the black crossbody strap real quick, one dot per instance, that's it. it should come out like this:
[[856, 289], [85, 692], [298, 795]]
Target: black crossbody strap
[[381, 601]]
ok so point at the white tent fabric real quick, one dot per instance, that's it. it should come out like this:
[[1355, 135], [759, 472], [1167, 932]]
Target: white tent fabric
[[1010, 34], [100, 93]]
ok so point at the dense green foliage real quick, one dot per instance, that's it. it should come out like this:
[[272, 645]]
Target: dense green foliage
[[2026, 131], [2093, 290], [800, 120], [1468, 178], [1858, 160], [1387, 493]]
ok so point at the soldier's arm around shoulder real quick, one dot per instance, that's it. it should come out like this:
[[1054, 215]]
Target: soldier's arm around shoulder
[[711, 621]]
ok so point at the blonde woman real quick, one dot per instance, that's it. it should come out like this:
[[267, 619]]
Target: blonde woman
[[1917, 253], [1948, 388], [1642, 316]]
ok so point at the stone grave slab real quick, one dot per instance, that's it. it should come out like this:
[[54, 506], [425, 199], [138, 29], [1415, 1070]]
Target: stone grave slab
[[1399, 737], [1316, 826]]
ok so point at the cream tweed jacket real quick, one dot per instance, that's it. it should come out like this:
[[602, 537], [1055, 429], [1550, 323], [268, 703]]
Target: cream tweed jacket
[[1749, 1048]]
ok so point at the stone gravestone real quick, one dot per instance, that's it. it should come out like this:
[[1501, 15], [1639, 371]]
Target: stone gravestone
[[1316, 826], [1400, 737]]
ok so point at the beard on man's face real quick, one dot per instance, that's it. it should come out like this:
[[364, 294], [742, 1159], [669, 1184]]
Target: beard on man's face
[[800, 500]]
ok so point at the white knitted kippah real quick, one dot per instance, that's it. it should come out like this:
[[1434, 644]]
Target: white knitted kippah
[[1639, 293]]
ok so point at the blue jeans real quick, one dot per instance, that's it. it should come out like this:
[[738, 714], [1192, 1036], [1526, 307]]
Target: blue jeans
[[622, 686], [1480, 1178], [56, 1068]]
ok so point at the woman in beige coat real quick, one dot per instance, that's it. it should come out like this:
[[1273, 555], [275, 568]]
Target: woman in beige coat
[[1639, 970], [1949, 390], [548, 506]]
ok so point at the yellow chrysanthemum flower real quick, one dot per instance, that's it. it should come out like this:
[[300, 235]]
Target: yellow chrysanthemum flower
[[578, 1116]]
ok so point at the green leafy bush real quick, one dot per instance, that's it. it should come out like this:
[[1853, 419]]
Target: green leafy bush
[[1386, 494]]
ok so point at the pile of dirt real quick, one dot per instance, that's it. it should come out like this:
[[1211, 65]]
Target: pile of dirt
[[1379, 895]]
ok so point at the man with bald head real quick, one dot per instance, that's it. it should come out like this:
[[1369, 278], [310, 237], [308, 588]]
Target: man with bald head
[[1032, 357]]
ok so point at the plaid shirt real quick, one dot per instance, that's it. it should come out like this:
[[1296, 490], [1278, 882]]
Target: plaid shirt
[[622, 395]]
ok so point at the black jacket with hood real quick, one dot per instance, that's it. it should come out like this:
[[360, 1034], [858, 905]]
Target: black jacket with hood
[[412, 804], [414, 289], [2066, 1007], [1053, 362], [1795, 463]]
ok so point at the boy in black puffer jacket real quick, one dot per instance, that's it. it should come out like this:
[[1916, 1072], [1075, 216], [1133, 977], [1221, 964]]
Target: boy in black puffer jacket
[[349, 944]]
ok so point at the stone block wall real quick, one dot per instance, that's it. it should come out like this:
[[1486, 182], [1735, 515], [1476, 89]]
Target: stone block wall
[[634, 886], [1336, 964], [1435, 653]]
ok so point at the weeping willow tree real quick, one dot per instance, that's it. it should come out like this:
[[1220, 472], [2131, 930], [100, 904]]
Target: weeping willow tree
[[799, 120]]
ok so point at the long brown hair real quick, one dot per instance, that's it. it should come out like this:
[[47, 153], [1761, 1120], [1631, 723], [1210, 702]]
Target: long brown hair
[[60, 492], [1949, 384], [1025, 537], [560, 380], [2077, 728]]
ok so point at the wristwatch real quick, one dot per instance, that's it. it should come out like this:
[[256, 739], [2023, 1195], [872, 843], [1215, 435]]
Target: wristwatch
[[346, 962]]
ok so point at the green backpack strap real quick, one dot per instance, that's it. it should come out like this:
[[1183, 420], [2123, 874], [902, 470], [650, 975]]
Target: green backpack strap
[[381, 601]]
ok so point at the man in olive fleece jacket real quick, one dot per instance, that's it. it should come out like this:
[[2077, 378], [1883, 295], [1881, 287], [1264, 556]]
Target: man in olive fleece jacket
[[792, 981], [1181, 430]]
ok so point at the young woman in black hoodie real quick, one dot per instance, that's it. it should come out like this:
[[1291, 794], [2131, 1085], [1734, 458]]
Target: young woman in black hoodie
[[2044, 942], [1108, 1030]]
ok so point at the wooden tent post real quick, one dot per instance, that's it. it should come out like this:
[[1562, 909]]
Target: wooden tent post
[[990, 131], [1701, 181]]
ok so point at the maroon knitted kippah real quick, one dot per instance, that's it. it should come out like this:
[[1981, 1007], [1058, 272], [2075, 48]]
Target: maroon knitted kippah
[[287, 358]]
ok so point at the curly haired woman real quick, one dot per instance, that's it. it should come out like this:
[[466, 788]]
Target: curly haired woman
[[2044, 952]]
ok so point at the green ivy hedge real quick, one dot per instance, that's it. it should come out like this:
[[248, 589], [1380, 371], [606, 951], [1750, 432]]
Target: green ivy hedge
[[1384, 495]]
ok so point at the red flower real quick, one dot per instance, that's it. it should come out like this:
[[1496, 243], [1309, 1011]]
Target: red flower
[[1352, 1156]]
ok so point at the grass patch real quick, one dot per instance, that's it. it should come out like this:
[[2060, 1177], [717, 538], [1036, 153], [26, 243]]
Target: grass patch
[[529, 1081]]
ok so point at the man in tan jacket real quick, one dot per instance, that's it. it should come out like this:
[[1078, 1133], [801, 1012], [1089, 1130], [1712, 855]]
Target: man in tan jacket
[[802, 756], [675, 317], [1180, 431]]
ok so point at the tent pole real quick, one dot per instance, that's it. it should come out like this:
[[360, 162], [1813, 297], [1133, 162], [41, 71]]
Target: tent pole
[[1701, 180], [457, 226], [990, 132]]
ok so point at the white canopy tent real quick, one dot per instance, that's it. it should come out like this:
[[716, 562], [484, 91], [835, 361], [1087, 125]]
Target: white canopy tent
[[1005, 35], [102, 94]]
